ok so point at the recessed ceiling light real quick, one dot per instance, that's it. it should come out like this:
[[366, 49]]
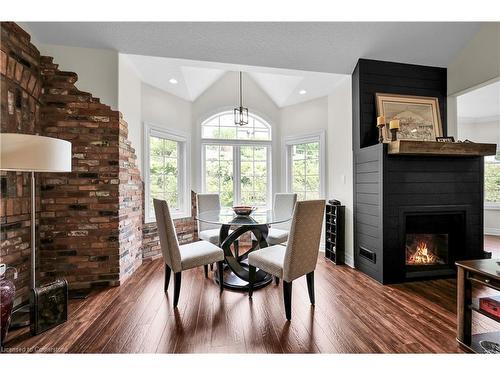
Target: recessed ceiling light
[[173, 81], [302, 92]]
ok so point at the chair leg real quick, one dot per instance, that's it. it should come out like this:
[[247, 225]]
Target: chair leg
[[251, 280], [177, 287], [287, 296], [211, 266], [310, 286], [276, 280], [205, 268], [167, 277], [220, 271]]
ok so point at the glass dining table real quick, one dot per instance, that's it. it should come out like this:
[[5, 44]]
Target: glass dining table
[[232, 227]]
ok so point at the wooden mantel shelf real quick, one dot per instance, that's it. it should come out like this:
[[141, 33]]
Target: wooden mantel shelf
[[428, 148]]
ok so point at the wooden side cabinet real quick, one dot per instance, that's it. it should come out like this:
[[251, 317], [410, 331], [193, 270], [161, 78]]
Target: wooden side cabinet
[[335, 233], [484, 272]]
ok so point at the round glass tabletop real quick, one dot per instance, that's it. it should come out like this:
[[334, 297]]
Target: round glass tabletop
[[226, 216]]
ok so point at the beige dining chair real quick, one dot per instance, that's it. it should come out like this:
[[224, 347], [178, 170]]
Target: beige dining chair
[[179, 258], [298, 257], [206, 231], [283, 207]]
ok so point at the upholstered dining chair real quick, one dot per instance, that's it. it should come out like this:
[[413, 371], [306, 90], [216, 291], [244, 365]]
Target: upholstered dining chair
[[206, 231], [179, 258], [282, 207], [298, 257]]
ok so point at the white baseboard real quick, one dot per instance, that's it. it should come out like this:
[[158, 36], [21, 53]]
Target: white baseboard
[[349, 260], [492, 231]]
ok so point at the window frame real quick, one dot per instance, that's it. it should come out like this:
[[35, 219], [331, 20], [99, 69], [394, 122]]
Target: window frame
[[183, 165], [292, 140], [236, 144]]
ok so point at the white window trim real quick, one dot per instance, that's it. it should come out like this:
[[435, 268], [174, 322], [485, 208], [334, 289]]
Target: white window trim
[[236, 143], [289, 141], [184, 168]]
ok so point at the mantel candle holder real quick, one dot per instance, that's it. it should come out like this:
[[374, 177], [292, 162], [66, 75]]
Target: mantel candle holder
[[380, 125], [394, 134], [394, 128]]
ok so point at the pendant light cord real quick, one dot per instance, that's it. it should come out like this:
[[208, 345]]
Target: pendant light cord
[[241, 93]]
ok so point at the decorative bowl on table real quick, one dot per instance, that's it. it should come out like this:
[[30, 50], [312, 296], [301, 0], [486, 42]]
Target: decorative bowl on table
[[243, 210]]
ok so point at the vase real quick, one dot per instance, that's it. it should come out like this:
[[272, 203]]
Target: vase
[[7, 293]]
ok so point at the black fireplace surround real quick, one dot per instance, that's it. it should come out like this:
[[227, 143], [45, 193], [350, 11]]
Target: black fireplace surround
[[399, 197]]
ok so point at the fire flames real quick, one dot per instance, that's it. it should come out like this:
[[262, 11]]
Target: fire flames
[[422, 255]]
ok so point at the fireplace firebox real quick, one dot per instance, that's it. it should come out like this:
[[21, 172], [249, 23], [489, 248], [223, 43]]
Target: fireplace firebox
[[432, 240]]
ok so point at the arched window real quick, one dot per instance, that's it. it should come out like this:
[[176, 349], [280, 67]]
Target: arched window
[[237, 159], [222, 126]]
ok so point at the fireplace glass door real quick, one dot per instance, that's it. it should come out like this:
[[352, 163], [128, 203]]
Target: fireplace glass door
[[433, 241]]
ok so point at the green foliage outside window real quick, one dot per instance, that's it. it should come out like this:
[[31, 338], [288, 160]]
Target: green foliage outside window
[[164, 171], [305, 170], [492, 179]]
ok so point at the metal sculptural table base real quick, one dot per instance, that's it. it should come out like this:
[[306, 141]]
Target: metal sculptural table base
[[236, 269]]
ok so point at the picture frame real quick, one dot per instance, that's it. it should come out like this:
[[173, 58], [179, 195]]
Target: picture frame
[[419, 116], [445, 139]]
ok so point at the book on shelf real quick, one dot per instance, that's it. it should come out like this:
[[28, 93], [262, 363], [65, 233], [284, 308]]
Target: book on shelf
[[491, 305]]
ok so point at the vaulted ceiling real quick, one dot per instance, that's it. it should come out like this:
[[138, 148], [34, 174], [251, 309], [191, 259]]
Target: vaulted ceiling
[[188, 79]]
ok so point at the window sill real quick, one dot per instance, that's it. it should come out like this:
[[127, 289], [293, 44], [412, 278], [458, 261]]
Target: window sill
[[492, 206]]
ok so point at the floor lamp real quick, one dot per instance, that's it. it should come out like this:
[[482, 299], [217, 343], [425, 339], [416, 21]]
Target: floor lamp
[[33, 153]]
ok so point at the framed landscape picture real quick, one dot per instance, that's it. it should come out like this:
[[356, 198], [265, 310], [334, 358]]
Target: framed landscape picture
[[418, 116]]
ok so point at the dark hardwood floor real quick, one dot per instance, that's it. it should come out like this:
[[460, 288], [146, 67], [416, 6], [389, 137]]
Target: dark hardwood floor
[[353, 314]]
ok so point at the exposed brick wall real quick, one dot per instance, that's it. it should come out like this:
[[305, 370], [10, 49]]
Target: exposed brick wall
[[90, 233], [131, 206], [19, 97], [90, 220], [186, 229]]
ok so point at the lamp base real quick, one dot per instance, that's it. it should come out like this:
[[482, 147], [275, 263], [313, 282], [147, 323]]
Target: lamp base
[[20, 318]]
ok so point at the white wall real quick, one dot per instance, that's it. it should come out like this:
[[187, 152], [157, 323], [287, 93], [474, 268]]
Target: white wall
[[97, 69], [302, 119], [478, 62], [305, 117], [340, 157], [333, 114], [130, 103], [223, 95], [486, 131], [480, 130], [163, 109], [474, 65]]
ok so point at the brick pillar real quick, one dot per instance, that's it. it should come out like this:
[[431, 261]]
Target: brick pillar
[[20, 87], [131, 206]]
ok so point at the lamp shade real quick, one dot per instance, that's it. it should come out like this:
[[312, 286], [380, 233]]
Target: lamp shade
[[34, 153]]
